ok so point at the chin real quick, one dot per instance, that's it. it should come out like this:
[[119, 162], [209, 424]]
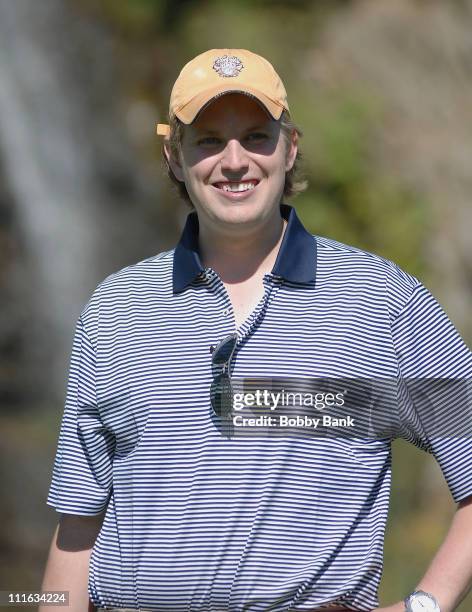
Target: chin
[[240, 211]]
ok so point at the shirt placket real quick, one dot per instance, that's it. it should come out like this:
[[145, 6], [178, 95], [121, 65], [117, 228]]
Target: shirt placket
[[271, 284]]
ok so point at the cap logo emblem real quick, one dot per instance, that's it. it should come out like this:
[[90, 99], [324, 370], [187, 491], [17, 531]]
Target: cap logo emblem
[[228, 66]]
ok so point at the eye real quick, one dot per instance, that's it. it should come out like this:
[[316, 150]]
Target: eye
[[257, 137], [208, 141]]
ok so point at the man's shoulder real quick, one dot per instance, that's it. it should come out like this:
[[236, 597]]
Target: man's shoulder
[[334, 253], [161, 263], [331, 248], [342, 261], [153, 271]]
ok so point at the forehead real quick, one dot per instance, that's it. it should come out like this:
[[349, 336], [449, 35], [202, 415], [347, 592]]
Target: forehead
[[232, 109]]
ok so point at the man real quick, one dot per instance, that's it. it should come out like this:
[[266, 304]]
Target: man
[[195, 517]]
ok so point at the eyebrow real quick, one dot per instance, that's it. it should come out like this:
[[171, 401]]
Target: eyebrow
[[210, 132], [258, 126], [204, 131]]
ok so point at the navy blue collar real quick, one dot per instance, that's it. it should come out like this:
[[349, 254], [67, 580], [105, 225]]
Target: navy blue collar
[[296, 259]]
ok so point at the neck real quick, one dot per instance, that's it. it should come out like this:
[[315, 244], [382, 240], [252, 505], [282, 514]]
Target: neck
[[239, 257]]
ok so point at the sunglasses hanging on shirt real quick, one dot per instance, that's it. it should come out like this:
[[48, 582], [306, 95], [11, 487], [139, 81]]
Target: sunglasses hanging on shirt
[[221, 391]]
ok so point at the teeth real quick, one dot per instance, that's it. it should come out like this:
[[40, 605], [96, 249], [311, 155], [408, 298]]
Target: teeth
[[238, 186]]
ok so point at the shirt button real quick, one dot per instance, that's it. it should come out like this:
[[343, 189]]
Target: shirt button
[[226, 311]]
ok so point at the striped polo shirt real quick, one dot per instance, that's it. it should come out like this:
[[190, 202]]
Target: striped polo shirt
[[200, 521]]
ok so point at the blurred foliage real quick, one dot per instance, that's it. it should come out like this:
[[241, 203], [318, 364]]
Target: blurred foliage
[[346, 199]]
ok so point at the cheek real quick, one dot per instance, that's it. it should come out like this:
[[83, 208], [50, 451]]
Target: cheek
[[278, 167], [280, 158], [197, 168], [195, 176]]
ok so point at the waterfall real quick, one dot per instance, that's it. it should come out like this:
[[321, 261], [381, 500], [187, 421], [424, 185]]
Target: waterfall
[[70, 170]]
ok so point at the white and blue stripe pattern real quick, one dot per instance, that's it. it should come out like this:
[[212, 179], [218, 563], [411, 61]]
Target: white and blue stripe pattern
[[198, 521]]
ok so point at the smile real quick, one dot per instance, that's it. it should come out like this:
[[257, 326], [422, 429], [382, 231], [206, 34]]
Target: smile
[[236, 186]]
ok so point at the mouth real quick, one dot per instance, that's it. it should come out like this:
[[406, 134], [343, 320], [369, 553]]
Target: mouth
[[236, 186]]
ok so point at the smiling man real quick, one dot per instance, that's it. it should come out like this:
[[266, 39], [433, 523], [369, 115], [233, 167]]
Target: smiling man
[[196, 519], [234, 159]]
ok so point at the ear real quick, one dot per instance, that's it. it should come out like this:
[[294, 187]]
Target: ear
[[174, 164], [292, 149]]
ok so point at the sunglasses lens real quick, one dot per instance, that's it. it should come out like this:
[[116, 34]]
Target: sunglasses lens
[[224, 350], [221, 395]]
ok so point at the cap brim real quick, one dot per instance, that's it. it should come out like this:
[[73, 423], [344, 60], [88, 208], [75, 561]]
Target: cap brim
[[188, 113]]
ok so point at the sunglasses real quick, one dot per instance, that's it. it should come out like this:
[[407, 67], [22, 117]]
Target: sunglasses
[[221, 391]]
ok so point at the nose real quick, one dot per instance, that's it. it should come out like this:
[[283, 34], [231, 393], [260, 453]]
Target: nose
[[234, 158]]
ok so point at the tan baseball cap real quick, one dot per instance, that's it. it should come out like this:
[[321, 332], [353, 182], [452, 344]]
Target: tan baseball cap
[[219, 71]]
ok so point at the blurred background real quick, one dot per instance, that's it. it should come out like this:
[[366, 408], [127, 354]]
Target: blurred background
[[383, 93]]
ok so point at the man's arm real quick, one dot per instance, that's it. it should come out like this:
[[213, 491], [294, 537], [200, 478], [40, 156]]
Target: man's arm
[[67, 566], [449, 575]]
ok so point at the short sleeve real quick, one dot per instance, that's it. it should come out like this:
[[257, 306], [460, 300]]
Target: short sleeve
[[434, 391], [82, 472]]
